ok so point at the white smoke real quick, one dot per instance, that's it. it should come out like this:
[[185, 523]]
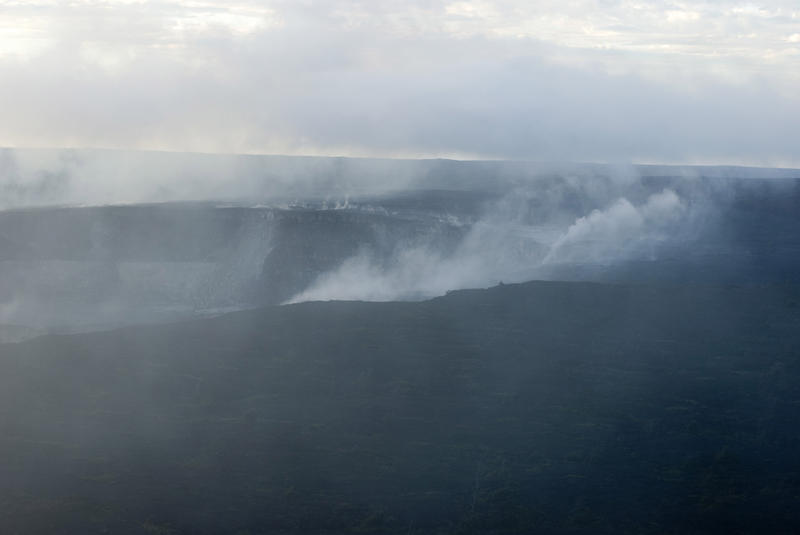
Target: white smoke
[[503, 247], [619, 232]]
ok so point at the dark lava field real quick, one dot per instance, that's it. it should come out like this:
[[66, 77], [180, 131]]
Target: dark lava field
[[543, 407]]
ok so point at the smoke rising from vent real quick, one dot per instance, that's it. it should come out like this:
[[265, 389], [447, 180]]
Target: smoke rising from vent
[[501, 246]]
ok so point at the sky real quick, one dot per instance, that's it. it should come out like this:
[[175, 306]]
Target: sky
[[587, 80]]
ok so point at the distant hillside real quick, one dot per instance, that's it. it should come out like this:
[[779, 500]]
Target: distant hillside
[[532, 408], [38, 177]]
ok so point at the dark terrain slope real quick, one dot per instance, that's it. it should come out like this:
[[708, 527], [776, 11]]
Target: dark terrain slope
[[532, 408]]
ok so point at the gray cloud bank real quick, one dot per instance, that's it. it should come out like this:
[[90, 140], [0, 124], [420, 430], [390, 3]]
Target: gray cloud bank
[[316, 82]]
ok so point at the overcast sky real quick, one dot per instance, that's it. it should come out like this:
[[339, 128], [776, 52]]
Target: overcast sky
[[588, 80]]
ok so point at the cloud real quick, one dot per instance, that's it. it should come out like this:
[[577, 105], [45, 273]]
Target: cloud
[[547, 81]]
